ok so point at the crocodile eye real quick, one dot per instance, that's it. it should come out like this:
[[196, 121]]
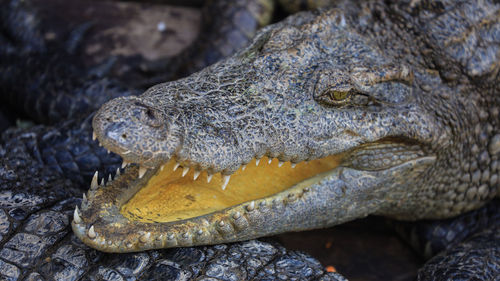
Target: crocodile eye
[[336, 97]]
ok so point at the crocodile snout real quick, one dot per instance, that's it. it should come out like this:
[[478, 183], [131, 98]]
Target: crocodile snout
[[140, 134]]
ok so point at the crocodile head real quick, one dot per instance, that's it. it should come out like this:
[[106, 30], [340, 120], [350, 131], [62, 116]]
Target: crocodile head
[[309, 126]]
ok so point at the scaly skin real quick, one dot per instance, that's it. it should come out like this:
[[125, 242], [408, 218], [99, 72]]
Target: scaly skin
[[379, 83]]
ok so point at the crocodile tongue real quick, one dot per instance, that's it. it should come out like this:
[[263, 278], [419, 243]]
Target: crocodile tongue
[[172, 194]]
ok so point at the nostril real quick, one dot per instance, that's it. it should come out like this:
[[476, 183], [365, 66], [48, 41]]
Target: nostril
[[150, 114], [124, 136]]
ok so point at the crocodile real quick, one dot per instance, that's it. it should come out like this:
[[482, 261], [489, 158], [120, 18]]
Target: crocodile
[[369, 107], [68, 258]]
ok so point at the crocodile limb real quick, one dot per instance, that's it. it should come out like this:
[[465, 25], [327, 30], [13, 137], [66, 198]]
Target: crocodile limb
[[477, 258]]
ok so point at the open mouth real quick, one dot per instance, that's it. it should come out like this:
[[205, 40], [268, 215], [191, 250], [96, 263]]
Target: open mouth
[[174, 193], [174, 206], [172, 196]]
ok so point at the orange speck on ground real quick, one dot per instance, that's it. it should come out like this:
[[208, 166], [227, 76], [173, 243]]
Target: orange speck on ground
[[330, 268]]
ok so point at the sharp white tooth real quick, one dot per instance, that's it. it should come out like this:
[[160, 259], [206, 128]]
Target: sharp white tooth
[[145, 237], [209, 177], [257, 161], [94, 136], [102, 182], [176, 166], [124, 164], [161, 167], [243, 167], [280, 163], [293, 165], [93, 183], [91, 233], [117, 172], [84, 199], [76, 216], [110, 178], [225, 181], [108, 151], [142, 171], [196, 174], [270, 160], [185, 170]]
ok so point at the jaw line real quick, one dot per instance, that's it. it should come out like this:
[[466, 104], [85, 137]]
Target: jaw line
[[101, 208], [102, 226]]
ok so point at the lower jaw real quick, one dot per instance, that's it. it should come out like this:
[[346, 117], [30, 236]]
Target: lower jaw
[[125, 217]]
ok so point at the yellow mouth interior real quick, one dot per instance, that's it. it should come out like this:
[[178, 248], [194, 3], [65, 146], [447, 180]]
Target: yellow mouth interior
[[170, 197]]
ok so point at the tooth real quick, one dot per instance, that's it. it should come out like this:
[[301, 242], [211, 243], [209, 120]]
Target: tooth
[[102, 182], [84, 199], [225, 181], [251, 206], [91, 233], [161, 167], [117, 172], [293, 165], [94, 136], [243, 167], [176, 166], [110, 179], [145, 237], [124, 164], [280, 163], [196, 174], [257, 161], [93, 184], [209, 177], [185, 170], [270, 160], [142, 171], [76, 216], [99, 144], [108, 151]]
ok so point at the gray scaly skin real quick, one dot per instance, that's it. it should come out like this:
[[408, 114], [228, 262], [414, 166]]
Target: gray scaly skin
[[406, 92]]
